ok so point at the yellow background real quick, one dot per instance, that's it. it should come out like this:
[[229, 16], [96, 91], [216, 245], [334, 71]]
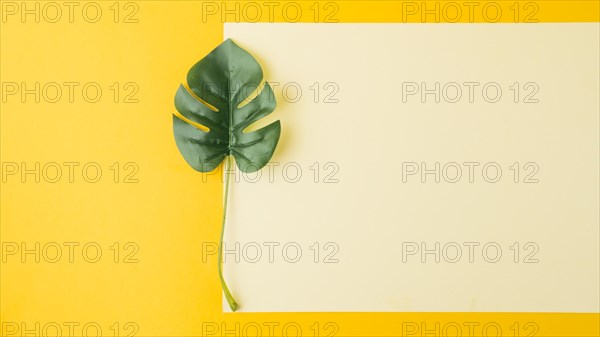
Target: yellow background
[[172, 209]]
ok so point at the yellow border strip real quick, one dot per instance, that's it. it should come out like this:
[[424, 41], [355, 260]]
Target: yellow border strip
[[354, 11], [418, 324]]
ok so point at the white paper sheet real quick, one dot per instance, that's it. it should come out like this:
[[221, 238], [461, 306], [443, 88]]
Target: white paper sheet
[[378, 218]]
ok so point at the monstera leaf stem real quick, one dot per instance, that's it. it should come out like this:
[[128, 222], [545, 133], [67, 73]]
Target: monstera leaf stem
[[232, 303]]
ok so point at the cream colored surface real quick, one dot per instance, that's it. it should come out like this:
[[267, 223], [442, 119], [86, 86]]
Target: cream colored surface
[[370, 212]]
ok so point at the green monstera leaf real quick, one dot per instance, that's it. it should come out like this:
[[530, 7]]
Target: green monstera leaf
[[215, 109], [224, 79]]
